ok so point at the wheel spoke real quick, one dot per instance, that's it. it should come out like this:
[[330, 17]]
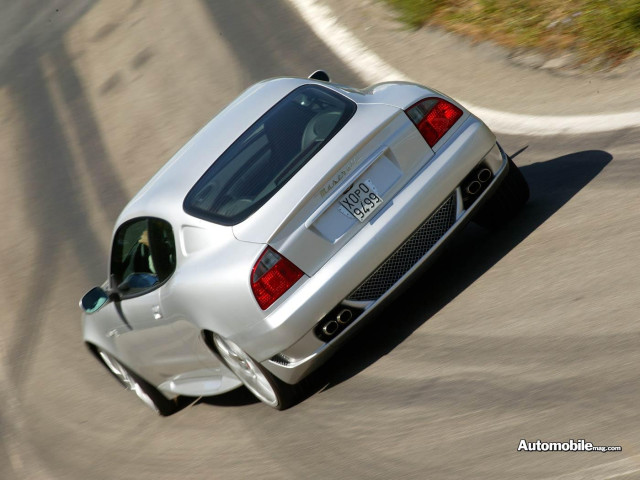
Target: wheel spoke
[[247, 371], [128, 381]]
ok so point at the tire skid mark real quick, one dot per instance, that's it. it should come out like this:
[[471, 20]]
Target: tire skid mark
[[254, 31], [107, 182], [55, 202]]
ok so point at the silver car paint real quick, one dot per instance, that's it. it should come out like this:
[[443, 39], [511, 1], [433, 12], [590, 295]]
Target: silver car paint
[[210, 289], [308, 353], [310, 300], [311, 229]]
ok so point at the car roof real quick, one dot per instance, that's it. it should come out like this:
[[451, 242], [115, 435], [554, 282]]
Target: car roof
[[163, 195]]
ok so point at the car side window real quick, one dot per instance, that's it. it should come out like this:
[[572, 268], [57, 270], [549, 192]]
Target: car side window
[[143, 255]]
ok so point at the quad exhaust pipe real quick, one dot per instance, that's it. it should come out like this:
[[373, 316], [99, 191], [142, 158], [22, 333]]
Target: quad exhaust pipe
[[330, 327], [484, 175], [344, 317], [335, 323], [475, 186]]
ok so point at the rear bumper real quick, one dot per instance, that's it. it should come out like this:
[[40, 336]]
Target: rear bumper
[[285, 343]]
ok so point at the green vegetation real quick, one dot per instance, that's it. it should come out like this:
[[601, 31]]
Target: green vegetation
[[605, 30]]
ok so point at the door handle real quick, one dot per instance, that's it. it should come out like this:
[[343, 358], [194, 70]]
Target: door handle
[[157, 313]]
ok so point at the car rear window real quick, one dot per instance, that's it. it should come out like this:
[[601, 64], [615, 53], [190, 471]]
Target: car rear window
[[268, 154]]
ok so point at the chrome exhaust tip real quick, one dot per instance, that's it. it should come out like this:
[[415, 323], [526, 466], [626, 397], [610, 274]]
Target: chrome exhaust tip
[[484, 175], [344, 316], [337, 321], [330, 327], [473, 187]]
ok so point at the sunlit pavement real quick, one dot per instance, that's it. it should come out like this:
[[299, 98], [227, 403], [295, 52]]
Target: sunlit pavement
[[529, 332]]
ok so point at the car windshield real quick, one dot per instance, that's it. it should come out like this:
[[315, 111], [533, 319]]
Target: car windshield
[[268, 154]]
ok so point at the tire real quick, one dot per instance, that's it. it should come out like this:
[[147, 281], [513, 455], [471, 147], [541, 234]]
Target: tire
[[266, 387], [146, 392], [506, 201]]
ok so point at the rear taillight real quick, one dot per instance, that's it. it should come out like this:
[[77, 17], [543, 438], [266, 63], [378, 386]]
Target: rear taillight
[[433, 117], [272, 275]]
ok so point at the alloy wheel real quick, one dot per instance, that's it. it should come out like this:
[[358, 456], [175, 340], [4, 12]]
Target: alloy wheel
[[127, 379], [246, 370]]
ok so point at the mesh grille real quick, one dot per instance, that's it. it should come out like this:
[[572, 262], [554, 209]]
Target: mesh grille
[[409, 253], [281, 359]]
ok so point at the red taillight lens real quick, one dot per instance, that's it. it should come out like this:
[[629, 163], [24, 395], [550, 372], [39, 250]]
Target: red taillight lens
[[272, 275], [433, 117]]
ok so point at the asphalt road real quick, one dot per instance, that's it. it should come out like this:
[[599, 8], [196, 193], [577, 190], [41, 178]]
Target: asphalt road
[[529, 332]]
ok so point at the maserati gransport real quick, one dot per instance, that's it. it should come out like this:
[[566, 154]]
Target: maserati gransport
[[278, 230]]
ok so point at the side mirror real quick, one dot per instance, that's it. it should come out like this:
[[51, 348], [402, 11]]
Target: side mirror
[[93, 300], [320, 75]]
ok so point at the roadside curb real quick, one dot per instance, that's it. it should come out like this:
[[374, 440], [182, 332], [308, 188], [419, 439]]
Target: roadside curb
[[372, 68]]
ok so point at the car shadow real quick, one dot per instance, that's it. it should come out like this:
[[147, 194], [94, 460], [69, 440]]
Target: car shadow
[[471, 253], [235, 398]]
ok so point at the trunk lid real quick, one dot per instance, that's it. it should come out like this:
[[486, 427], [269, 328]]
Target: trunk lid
[[378, 149]]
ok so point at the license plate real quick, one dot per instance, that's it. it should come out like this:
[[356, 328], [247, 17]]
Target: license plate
[[361, 200]]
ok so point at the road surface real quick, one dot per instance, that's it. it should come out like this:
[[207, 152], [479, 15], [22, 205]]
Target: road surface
[[529, 332]]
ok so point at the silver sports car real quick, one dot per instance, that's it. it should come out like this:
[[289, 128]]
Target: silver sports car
[[280, 227]]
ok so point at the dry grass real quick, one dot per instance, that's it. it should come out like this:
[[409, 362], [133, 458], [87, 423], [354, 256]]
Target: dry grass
[[603, 30]]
